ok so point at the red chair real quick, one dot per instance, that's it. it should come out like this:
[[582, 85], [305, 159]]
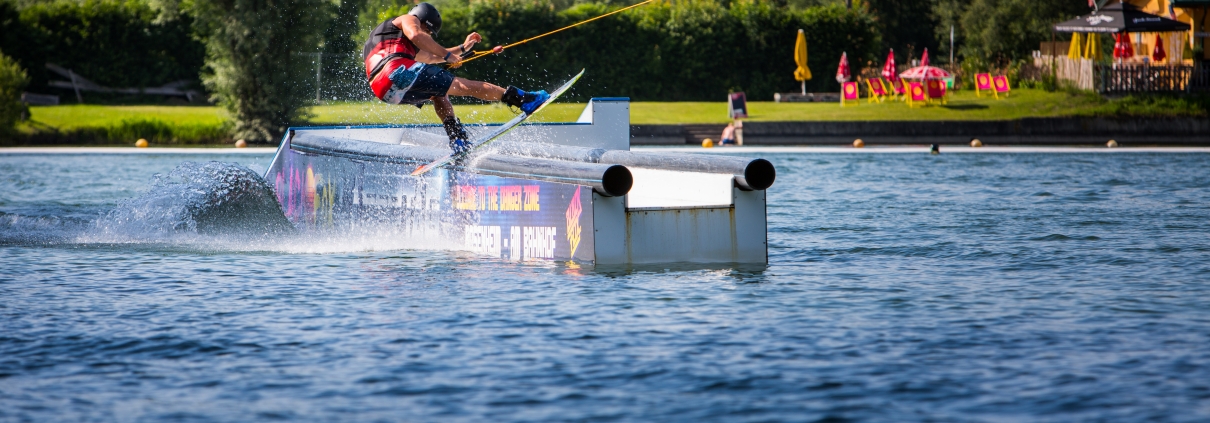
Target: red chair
[[877, 91], [936, 90], [849, 93], [916, 95], [983, 82], [1001, 85], [898, 88]]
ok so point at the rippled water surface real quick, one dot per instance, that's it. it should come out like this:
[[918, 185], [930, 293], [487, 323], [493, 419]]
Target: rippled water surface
[[901, 287]]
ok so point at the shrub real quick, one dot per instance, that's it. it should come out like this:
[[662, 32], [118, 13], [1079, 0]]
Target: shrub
[[12, 82], [1153, 105], [110, 42], [125, 132], [160, 132]]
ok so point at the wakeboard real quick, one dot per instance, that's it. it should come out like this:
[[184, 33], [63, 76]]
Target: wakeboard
[[503, 129]]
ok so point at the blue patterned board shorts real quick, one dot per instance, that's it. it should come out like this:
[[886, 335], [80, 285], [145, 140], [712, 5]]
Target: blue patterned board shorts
[[416, 84]]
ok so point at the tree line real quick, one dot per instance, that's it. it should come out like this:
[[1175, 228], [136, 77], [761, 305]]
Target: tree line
[[258, 58]]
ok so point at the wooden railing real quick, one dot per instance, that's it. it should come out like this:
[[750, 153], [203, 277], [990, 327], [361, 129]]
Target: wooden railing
[[1200, 79], [1123, 79]]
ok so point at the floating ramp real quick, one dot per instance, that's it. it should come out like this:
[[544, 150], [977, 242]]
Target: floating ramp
[[546, 191]]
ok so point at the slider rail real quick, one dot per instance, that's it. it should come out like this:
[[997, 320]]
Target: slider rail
[[750, 174]]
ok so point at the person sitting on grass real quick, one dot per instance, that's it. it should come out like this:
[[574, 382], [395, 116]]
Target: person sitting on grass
[[401, 57]]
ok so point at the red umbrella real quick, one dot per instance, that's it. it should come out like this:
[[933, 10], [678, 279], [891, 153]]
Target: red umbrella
[[1158, 54], [842, 73], [889, 70], [925, 72], [924, 60]]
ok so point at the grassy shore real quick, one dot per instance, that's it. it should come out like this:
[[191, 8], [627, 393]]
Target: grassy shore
[[186, 125], [100, 125], [961, 106]]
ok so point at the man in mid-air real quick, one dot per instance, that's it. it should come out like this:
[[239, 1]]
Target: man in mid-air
[[400, 57]]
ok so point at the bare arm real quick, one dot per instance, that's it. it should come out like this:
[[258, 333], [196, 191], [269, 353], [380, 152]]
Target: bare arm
[[430, 51]]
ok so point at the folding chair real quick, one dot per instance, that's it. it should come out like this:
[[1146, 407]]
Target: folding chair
[[877, 91], [916, 95], [936, 90], [898, 88], [849, 93], [1001, 85], [983, 82]]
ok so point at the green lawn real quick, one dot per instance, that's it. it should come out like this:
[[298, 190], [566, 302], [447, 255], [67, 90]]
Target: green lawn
[[205, 124], [962, 106], [74, 116]]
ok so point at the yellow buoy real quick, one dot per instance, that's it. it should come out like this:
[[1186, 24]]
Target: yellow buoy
[[1111, 144], [241, 144], [707, 143], [859, 143], [141, 143], [976, 143]]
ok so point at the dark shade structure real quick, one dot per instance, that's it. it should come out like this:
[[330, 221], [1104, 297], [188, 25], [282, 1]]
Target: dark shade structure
[[1121, 17]]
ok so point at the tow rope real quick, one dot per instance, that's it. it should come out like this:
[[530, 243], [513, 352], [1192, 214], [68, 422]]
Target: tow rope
[[499, 49]]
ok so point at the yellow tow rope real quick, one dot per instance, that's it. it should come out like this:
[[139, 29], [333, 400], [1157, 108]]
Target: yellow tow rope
[[479, 54]]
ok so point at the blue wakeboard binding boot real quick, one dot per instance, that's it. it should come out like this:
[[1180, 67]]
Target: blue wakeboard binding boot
[[528, 102]]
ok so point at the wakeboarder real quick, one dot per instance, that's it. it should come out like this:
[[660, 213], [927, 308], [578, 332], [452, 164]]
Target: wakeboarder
[[401, 57]]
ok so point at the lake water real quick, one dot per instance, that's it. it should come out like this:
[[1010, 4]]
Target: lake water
[[901, 287]]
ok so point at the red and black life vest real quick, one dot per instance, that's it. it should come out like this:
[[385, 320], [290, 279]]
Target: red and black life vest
[[386, 50]]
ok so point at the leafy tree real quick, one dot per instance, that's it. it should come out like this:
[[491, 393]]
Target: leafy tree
[[906, 26], [948, 14], [343, 70], [21, 42], [12, 82], [111, 42], [1005, 30], [253, 62]]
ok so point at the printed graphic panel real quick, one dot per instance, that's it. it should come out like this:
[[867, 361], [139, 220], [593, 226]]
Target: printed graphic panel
[[520, 219], [514, 219]]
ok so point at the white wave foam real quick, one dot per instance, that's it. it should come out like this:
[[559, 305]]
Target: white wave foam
[[220, 207]]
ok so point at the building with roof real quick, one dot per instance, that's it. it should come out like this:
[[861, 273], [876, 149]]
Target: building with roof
[[1192, 12]]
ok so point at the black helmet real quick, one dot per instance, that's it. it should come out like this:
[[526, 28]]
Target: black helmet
[[428, 15]]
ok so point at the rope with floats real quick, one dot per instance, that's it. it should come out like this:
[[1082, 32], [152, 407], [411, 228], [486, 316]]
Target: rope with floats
[[500, 49]]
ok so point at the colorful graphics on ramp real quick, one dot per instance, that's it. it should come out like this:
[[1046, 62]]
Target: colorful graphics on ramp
[[513, 219]]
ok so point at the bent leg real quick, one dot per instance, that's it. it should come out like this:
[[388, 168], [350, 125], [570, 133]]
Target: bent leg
[[481, 90], [459, 139]]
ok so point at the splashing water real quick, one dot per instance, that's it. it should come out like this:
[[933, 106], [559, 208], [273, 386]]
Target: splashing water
[[160, 202], [209, 199]]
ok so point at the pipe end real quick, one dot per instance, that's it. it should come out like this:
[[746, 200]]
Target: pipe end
[[617, 181], [759, 174]]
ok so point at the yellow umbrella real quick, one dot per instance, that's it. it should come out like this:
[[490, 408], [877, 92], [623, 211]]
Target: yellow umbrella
[[800, 56], [1075, 51], [1092, 50]]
